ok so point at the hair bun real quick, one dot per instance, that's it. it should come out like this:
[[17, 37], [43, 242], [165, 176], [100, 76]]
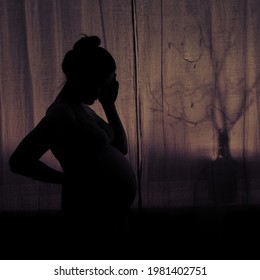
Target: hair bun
[[87, 42], [87, 56]]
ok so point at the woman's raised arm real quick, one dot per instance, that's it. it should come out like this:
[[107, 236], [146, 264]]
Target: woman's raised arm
[[108, 104]]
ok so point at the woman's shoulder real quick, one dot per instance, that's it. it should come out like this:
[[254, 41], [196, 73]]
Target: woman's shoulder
[[58, 108], [60, 112]]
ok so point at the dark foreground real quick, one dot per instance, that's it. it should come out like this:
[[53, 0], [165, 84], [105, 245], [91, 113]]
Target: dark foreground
[[190, 233]]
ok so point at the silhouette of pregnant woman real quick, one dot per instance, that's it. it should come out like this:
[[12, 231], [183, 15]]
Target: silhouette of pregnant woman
[[97, 180]]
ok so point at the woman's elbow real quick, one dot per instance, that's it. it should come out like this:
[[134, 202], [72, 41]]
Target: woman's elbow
[[121, 146], [123, 149], [15, 164]]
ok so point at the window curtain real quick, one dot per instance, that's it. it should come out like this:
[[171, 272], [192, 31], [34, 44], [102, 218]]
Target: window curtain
[[189, 93]]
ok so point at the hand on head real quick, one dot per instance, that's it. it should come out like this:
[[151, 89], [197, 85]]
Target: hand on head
[[90, 72], [110, 93]]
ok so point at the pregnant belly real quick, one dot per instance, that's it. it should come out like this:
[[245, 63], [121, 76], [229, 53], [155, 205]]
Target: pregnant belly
[[104, 182]]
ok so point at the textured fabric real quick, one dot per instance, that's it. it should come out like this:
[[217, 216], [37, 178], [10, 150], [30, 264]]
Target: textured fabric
[[188, 69]]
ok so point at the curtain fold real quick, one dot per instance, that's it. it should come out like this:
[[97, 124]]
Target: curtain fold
[[189, 77]]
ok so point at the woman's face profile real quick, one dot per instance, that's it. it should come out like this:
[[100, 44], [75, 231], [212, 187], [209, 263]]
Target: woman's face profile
[[95, 86]]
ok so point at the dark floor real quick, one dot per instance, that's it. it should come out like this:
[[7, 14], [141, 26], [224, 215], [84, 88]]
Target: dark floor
[[193, 233]]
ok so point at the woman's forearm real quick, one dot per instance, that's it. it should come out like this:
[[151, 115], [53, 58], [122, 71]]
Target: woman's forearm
[[120, 140], [37, 170]]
